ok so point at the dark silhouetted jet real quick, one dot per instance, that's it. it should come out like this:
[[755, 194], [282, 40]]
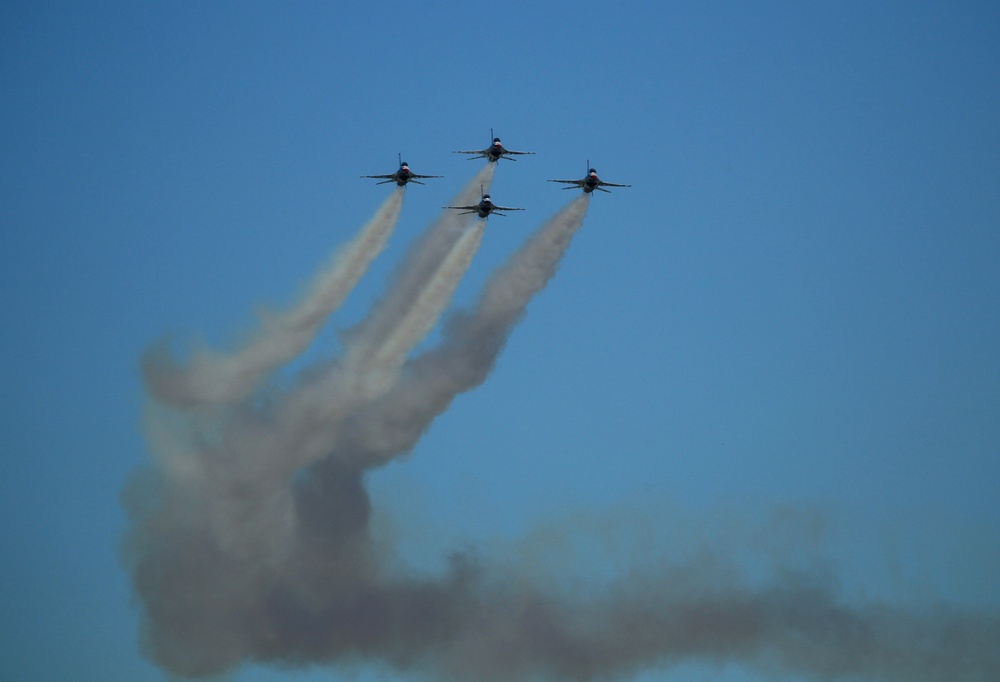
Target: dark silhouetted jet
[[589, 183], [484, 208], [402, 176], [494, 152]]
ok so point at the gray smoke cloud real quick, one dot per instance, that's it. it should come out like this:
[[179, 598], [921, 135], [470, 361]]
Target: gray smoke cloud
[[251, 533]]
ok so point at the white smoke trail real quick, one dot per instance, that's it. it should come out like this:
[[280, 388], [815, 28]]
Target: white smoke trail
[[310, 421], [418, 267], [472, 342], [215, 378], [421, 288], [380, 366]]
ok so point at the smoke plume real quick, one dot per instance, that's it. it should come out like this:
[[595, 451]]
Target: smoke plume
[[215, 378], [251, 539]]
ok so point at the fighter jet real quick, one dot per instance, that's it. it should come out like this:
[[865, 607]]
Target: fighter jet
[[402, 176], [484, 208], [589, 183], [493, 153]]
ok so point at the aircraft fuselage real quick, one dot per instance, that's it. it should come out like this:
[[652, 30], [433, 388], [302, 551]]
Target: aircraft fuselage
[[496, 151]]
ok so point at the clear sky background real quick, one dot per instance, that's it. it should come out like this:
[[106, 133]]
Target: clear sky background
[[780, 347]]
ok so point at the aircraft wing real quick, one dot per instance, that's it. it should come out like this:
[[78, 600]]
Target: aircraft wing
[[611, 184], [382, 177], [464, 208], [414, 175], [477, 152], [507, 151], [505, 208]]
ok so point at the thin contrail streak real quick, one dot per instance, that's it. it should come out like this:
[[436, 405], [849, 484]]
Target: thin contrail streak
[[216, 378]]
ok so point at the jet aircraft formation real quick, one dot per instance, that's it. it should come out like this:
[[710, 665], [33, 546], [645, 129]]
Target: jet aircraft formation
[[493, 154]]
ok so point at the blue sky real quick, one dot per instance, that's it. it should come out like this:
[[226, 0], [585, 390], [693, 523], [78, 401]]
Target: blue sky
[[777, 348]]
